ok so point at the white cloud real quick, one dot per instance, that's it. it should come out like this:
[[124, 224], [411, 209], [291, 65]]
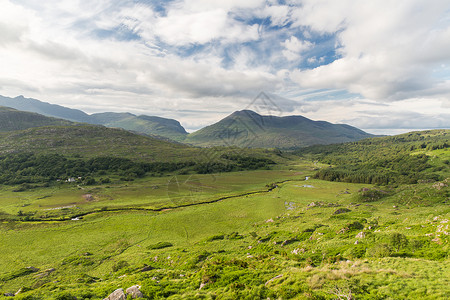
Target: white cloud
[[215, 56], [388, 48]]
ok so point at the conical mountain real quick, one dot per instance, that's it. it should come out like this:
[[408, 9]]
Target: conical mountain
[[247, 128]]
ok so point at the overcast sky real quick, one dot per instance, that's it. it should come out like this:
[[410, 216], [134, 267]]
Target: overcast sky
[[380, 65]]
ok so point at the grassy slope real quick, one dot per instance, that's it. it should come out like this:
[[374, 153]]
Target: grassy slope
[[248, 129], [231, 268], [321, 262], [91, 141], [11, 120], [407, 157], [145, 124]]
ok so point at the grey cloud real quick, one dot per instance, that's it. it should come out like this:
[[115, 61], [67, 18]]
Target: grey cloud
[[409, 120]]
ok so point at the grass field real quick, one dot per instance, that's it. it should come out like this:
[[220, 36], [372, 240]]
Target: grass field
[[289, 242]]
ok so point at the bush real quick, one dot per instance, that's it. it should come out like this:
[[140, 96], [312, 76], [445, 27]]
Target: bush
[[379, 250], [398, 241], [119, 265], [215, 237]]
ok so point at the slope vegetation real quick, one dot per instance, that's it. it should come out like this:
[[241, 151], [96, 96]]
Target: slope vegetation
[[249, 129], [11, 119], [150, 125], [405, 158]]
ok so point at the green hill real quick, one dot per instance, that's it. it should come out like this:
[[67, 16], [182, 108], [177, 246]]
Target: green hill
[[43, 154], [43, 108], [90, 141], [11, 119], [144, 124], [407, 158], [150, 125], [248, 129]]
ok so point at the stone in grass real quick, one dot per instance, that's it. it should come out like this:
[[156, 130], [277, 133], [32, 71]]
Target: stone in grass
[[134, 292], [117, 295], [341, 211]]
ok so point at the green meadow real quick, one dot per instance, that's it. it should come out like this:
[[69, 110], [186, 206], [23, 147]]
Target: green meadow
[[275, 232], [279, 244]]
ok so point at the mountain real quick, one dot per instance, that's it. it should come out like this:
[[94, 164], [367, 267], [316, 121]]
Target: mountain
[[43, 108], [149, 125], [11, 119], [92, 141], [248, 129]]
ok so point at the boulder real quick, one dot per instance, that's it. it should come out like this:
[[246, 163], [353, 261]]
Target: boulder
[[341, 211], [134, 292], [117, 295], [361, 235]]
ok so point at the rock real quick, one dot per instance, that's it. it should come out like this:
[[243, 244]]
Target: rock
[[361, 235], [117, 295], [134, 292], [439, 185], [146, 268], [270, 280], [33, 269], [45, 273], [356, 242], [341, 211]]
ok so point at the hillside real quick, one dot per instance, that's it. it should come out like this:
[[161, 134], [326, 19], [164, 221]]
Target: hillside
[[11, 119], [89, 141], [43, 108], [248, 129], [144, 124], [406, 158], [149, 125], [43, 154]]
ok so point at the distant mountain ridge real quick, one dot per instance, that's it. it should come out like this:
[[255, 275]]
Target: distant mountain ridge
[[149, 125], [242, 128], [248, 129]]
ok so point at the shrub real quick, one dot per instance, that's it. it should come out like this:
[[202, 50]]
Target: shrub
[[379, 250], [398, 241], [215, 237], [119, 265]]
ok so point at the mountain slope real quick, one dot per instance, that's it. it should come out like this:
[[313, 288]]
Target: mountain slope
[[144, 124], [11, 119], [249, 129], [92, 141], [43, 108], [150, 125]]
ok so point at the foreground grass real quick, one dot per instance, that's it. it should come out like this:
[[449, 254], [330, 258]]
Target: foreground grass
[[289, 243]]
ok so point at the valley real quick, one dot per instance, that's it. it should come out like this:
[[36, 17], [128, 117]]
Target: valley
[[250, 224]]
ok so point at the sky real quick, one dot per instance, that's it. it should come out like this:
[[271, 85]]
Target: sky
[[380, 65]]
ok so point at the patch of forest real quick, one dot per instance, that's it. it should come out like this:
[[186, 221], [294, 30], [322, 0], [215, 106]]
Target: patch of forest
[[387, 160], [26, 168]]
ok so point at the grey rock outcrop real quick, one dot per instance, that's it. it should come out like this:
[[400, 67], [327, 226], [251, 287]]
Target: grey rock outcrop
[[134, 292], [117, 295]]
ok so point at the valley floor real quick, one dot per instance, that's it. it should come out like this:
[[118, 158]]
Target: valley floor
[[267, 234]]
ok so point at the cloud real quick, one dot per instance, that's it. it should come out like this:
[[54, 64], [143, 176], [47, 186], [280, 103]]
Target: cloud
[[294, 47], [387, 49], [332, 60]]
